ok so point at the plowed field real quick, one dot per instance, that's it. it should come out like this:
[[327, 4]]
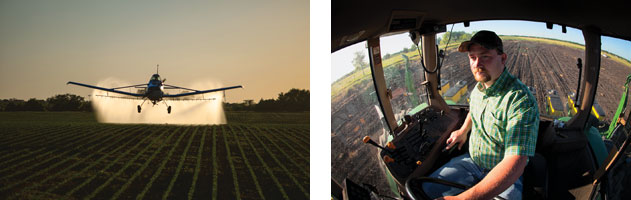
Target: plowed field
[[546, 67], [65, 156]]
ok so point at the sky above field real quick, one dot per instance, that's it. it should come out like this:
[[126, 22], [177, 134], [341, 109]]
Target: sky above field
[[263, 46], [341, 60]]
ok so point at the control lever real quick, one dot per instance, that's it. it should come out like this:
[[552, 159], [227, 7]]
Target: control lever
[[407, 119], [387, 159], [391, 146], [369, 141], [450, 150], [577, 103]]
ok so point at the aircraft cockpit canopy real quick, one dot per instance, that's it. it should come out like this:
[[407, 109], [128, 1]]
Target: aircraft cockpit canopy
[[155, 77]]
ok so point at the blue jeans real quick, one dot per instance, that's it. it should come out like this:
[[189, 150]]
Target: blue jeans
[[463, 170]]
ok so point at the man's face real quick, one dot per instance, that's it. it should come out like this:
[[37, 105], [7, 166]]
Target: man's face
[[486, 65]]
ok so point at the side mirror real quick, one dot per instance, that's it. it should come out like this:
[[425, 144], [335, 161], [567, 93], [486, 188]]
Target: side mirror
[[164, 80]]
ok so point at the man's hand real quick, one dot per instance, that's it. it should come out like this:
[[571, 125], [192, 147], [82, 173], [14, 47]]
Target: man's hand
[[457, 137]]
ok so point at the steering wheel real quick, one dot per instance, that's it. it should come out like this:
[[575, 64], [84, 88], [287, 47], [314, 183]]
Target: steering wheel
[[414, 187]]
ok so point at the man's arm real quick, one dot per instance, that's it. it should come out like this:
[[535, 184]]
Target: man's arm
[[520, 141], [498, 180]]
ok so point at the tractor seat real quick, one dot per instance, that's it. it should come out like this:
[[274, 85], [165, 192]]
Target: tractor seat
[[535, 182]]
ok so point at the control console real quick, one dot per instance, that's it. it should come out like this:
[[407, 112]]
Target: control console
[[415, 142]]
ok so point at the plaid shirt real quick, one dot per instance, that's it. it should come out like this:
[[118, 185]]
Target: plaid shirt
[[505, 121]]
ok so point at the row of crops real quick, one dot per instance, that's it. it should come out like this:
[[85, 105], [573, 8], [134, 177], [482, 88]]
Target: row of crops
[[107, 161]]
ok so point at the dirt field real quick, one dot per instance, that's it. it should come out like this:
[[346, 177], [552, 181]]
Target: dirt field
[[70, 156], [547, 66], [540, 65]]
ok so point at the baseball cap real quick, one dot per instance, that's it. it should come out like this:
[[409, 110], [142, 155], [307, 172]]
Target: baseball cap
[[488, 39]]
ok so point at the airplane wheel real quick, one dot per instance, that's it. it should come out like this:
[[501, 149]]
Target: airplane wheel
[[169, 109], [138, 108]]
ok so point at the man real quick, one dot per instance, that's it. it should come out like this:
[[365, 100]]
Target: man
[[503, 119]]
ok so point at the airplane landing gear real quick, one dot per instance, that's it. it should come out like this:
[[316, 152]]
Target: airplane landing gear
[[143, 102], [168, 107]]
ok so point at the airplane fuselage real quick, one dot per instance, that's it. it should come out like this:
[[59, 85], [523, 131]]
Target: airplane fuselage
[[155, 89]]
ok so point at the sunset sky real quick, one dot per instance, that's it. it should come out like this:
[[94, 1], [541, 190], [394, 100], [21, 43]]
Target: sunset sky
[[262, 46]]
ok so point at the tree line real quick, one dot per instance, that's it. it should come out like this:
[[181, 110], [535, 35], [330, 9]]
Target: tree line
[[60, 102], [295, 100], [456, 37]]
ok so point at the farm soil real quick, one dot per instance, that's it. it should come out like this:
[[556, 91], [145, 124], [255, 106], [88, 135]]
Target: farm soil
[[84, 155]]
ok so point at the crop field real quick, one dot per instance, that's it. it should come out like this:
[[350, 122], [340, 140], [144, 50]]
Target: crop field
[[69, 155]]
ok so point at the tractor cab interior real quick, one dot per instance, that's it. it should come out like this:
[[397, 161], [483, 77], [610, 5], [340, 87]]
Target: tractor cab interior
[[568, 160]]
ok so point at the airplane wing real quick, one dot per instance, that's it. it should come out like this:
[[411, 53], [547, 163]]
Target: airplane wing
[[117, 97], [108, 89], [201, 91], [177, 87], [135, 86]]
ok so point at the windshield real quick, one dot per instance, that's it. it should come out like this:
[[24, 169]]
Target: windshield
[[544, 60], [546, 65], [355, 113], [403, 72]]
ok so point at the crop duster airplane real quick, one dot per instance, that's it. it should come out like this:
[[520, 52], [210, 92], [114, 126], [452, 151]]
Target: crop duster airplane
[[154, 91]]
